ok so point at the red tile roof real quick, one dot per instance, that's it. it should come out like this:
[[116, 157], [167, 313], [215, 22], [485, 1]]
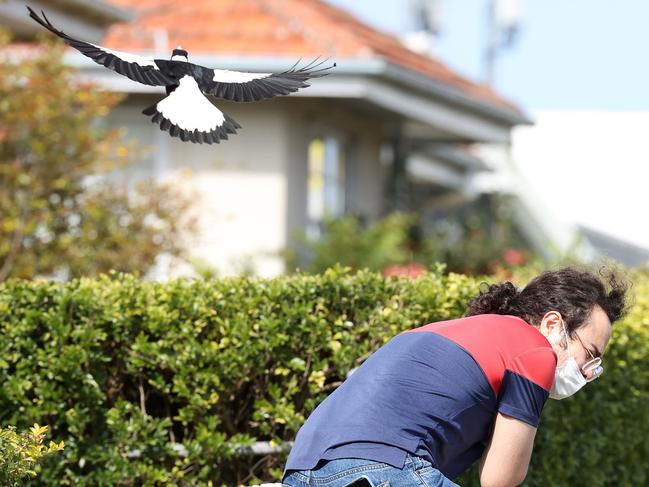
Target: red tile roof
[[300, 28]]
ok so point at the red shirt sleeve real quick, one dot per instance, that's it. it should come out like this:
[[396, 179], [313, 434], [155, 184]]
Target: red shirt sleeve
[[537, 365]]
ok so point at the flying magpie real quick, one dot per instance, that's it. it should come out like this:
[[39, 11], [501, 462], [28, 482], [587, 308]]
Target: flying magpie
[[186, 112]]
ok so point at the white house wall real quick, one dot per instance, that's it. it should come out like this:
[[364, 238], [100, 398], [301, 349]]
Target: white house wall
[[238, 188], [362, 137], [368, 173]]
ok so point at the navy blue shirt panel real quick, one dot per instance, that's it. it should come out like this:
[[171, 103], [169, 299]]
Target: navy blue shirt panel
[[421, 393]]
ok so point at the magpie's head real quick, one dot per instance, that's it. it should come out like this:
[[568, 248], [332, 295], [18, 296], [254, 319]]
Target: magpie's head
[[179, 54]]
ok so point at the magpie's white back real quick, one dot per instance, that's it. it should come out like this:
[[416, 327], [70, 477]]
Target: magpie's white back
[[186, 112]]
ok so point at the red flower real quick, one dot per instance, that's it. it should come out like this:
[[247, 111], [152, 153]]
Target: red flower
[[514, 257], [412, 270]]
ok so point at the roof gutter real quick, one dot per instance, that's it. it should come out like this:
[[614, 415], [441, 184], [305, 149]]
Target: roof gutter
[[454, 155], [379, 68], [401, 75], [398, 74], [390, 71]]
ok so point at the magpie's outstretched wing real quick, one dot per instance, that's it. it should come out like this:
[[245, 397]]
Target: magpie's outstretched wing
[[241, 86], [137, 68]]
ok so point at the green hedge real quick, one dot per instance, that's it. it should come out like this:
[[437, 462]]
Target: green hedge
[[122, 370], [600, 436], [20, 454]]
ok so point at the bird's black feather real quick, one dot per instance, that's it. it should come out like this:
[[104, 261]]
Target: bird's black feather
[[229, 126], [230, 85], [264, 87], [144, 73]]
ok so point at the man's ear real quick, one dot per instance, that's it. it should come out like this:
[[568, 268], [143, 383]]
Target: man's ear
[[551, 323]]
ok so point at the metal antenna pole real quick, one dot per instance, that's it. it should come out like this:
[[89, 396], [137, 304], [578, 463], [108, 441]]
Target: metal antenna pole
[[492, 44]]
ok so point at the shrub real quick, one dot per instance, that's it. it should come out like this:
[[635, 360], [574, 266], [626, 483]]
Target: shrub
[[347, 240], [125, 371], [60, 213], [21, 453], [600, 436], [471, 242]]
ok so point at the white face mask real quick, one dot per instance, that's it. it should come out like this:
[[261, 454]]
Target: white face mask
[[568, 378]]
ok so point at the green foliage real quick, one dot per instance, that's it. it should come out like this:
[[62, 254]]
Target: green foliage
[[21, 453], [599, 436], [346, 241], [118, 366], [469, 242], [605, 429], [52, 218], [478, 238]]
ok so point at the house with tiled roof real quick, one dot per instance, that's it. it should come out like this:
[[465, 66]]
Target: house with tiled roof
[[385, 119]]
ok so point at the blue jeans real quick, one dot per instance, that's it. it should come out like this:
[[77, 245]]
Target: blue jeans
[[340, 473]]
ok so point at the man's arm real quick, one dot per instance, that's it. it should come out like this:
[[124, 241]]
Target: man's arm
[[507, 456]]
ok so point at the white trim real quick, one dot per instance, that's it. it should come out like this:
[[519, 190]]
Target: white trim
[[427, 110], [371, 68], [429, 170]]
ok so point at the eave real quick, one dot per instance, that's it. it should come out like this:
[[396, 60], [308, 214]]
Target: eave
[[460, 117]]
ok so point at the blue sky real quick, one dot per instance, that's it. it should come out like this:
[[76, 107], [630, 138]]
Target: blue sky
[[570, 54]]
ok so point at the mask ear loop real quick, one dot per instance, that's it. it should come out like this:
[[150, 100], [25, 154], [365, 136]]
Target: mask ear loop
[[566, 337]]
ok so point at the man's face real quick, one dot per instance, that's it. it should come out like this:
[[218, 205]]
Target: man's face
[[587, 342]]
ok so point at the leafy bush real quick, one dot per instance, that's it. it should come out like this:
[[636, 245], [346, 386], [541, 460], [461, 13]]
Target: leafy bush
[[53, 221], [117, 365], [21, 453], [470, 243], [125, 371], [348, 241], [600, 437]]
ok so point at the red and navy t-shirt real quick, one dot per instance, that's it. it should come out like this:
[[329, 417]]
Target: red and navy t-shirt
[[433, 392]]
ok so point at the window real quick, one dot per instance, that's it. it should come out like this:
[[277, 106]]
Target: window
[[326, 182]]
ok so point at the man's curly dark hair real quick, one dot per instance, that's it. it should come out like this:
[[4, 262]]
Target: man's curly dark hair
[[571, 291]]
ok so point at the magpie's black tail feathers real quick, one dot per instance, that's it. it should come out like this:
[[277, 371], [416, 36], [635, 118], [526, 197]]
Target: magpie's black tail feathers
[[152, 110]]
